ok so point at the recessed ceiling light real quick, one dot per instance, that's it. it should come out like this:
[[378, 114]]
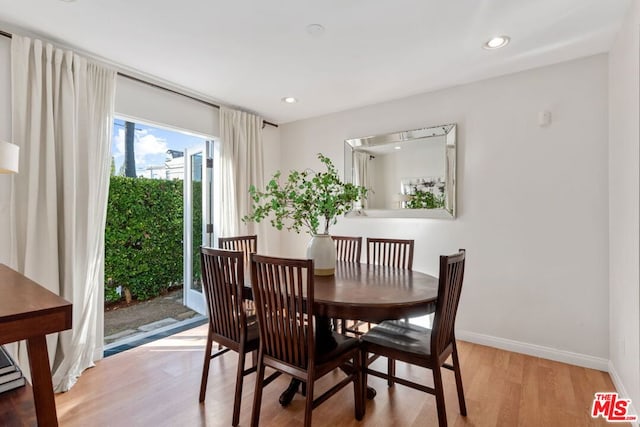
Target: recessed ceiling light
[[289, 100], [496, 42], [397, 147], [315, 30]]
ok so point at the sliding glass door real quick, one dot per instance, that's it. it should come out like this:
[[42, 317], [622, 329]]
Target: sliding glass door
[[198, 220]]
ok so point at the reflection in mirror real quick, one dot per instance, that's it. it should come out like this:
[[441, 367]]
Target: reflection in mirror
[[408, 174]]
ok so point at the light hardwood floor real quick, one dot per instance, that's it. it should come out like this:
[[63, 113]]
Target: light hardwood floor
[[157, 385]]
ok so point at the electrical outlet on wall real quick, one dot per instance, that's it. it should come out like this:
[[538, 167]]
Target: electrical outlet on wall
[[544, 118]]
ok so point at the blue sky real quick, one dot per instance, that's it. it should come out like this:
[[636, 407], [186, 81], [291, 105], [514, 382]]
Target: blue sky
[[150, 144]]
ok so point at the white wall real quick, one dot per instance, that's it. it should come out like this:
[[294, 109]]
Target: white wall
[[624, 222], [271, 150], [533, 203]]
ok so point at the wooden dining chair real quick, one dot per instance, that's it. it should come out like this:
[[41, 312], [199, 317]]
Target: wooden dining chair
[[283, 294], [348, 248], [223, 285], [396, 253], [247, 245], [428, 348]]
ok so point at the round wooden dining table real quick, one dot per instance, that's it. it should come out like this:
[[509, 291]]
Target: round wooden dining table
[[374, 293]]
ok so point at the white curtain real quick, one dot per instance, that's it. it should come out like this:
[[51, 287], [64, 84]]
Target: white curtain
[[62, 117], [241, 165]]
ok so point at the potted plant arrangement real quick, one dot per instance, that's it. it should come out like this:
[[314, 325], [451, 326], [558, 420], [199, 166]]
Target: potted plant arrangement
[[307, 200]]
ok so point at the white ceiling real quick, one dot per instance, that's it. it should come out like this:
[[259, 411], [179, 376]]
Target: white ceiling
[[251, 53]]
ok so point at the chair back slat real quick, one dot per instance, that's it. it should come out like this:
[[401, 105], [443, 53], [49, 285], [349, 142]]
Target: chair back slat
[[279, 290], [223, 282], [397, 253], [246, 244], [348, 248], [449, 290]]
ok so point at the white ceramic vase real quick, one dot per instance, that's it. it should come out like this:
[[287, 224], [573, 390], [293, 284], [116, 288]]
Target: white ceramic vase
[[323, 253]]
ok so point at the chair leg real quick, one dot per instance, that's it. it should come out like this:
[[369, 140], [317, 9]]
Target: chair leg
[[303, 389], [458, 375], [391, 370], [439, 391], [237, 400], [205, 366], [364, 364], [257, 395], [358, 390], [308, 403]]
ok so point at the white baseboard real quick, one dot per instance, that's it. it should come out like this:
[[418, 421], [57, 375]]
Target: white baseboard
[[564, 356], [622, 391]]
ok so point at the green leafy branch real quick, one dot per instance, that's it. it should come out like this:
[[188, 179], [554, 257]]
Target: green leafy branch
[[304, 199]]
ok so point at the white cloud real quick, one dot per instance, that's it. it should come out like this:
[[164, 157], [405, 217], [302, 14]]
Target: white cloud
[[118, 147], [149, 149]]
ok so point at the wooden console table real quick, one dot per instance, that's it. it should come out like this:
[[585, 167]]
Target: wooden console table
[[29, 311]]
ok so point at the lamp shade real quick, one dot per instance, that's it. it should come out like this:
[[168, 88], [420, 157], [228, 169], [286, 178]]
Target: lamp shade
[[8, 157]]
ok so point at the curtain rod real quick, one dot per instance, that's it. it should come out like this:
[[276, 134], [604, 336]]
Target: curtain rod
[[157, 86]]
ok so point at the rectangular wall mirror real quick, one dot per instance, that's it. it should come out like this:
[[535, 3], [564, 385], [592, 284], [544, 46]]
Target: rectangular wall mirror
[[409, 174]]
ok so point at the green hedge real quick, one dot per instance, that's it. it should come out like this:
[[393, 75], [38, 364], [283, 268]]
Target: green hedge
[[143, 237]]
